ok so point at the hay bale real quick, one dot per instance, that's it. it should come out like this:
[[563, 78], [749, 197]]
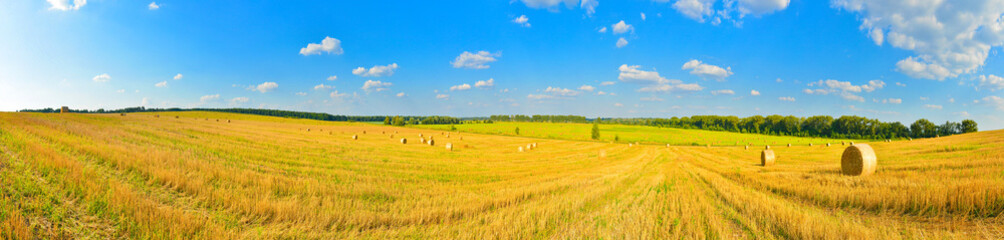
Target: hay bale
[[851, 143], [156, 116], [176, 117], [122, 114], [529, 146], [534, 145], [827, 144], [810, 144], [603, 153], [667, 145], [421, 140], [747, 147], [228, 120], [630, 144], [766, 147], [858, 160], [449, 147], [767, 157], [789, 145], [420, 135], [308, 129], [461, 137], [364, 131], [355, 137], [404, 141], [432, 142], [520, 148]]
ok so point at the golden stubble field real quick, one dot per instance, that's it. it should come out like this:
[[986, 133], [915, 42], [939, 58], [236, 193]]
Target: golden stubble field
[[190, 176]]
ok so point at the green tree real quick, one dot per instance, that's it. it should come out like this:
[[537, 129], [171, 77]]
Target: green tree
[[386, 121], [517, 130], [596, 131], [969, 126], [923, 128]]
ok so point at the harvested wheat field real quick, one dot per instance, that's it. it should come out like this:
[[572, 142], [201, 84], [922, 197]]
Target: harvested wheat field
[[138, 176]]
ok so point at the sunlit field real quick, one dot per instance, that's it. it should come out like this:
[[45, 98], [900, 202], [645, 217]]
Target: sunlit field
[[632, 134], [199, 175]]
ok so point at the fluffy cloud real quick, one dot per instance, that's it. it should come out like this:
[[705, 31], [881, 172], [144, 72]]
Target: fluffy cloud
[[485, 83], [621, 27], [900, 84], [264, 87], [332, 78], [992, 82], [846, 90], [754, 93], [621, 42], [64, 5], [522, 20], [587, 88], [153, 6], [932, 106], [376, 71], [377, 86], [328, 45], [238, 100], [554, 92], [723, 92], [892, 101], [995, 101], [336, 95], [588, 5], [787, 99], [602, 30], [948, 37], [703, 70], [400, 94], [607, 83], [643, 16], [652, 99], [703, 10], [104, 77], [323, 87], [178, 77], [460, 87], [477, 60], [301, 94], [208, 98], [161, 84], [652, 81], [442, 96]]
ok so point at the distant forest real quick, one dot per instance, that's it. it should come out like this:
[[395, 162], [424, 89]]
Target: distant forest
[[816, 126]]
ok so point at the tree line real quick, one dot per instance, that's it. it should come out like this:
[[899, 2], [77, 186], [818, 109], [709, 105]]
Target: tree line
[[816, 126], [539, 118]]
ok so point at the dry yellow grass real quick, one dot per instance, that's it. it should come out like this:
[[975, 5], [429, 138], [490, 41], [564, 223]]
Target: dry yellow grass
[[109, 176]]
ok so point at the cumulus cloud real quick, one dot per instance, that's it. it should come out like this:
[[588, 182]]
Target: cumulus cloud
[[336, 95], [932, 106], [587, 5], [787, 99], [992, 82], [64, 5], [485, 83], [621, 27], [704, 10], [104, 77], [900, 84], [845, 90], [370, 86], [994, 101], [161, 84], [703, 70], [522, 21], [621, 42], [153, 6], [892, 101], [949, 38], [442, 96], [323, 87], [332, 78], [602, 30], [328, 45], [723, 92], [754, 93], [554, 92], [477, 60], [587, 88], [376, 71], [208, 98], [264, 87], [652, 81], [178, 77], [698, 10], [239, 100], [460, 87], [607, 83]]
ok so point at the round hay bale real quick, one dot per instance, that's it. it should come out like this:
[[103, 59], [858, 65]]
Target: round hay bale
[[851, 143], [364, 131], [392, 136], [603, 153], [461, 137], [789, 145], [827, 144], [911, 139], [228, 120], [858, 160], [520, 148], [767, 157], [383, 132], [420, 135], [810, 144], [355, 137], [529, 146], [432, 142], [766, 147], [122, 114], [421, 140], [747, 147], [630, 144], [449, 147], [404, 141]]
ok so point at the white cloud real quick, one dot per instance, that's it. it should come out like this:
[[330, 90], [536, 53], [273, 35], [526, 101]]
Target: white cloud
[[332, 78], [64, 5], [607, 83], [703, 10], [697, 10], [621, 42], [301, 94], [760, 7], [652, 81], [460, 87], [924, 98], [323, 87], [949, 38], [652, 99], [153, 6], [539, 96], [376, 71], [208, 98], [264, 87], [994, 101], [442, 96], [178, 77], [477, 60], [643, 16], [788, 99], [588, 5], [992, 82], [400, 94], [900, 84], [876, 36], [522, 20], [951, 100], [564, 92], [120, 91], [618, 105], [485, 83], [845, 90], [587, 88], [371, 85], [932, 106], [104, 77], [754, 93], [238, 100], [703, 70], [335, 94], [892, 101], [161, 84], [621, 27], [602, 30], [723, 92], [328, 45]]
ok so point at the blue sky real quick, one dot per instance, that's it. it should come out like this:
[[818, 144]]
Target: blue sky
[[890, 60]]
